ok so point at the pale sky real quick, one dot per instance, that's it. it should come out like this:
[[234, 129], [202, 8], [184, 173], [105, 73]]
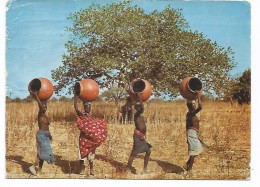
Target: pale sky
[[36, 33]]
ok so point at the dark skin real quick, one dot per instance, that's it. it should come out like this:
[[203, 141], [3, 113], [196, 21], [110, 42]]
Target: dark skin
[[139, 125], [43, 123], [87, 110], [192, 122], [139, 119]]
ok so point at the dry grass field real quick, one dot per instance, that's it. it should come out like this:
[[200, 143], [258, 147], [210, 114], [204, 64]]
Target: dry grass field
[[225, 128]]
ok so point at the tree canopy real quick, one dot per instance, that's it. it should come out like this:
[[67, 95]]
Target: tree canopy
[[117, 43]]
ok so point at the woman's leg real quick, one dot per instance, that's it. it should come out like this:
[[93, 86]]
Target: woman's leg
[[146, 159], [190, 163], [32, 168], [129, 164], [91, 158], [40, 165]]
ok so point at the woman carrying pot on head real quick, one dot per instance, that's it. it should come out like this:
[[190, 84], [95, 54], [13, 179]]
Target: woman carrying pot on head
[[43, 138], [195, 145], [93, 132], [140, 144]]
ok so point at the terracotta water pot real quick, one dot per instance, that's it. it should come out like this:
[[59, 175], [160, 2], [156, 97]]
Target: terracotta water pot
[[140, 85], [189, 86], [43, 86], [87, 90]]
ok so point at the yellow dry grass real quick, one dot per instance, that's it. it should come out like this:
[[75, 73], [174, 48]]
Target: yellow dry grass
[[224, 127]]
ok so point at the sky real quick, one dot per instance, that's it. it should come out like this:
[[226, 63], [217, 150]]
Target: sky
[[20, 81], [36, 33]]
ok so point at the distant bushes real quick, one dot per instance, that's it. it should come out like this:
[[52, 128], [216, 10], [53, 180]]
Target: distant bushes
[[242, 90]]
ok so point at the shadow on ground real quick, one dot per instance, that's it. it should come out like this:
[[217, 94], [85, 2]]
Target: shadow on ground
[[166, 166], [72, 167], [19, 160], [67, 166], [120, 167]]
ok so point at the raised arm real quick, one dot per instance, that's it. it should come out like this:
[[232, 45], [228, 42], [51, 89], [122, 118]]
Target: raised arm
[[79, 113], [41, 107]]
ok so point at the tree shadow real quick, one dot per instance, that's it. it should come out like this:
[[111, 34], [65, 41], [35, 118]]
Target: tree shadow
[[67, 166], [19, 160], [120, 167], [166, 166]]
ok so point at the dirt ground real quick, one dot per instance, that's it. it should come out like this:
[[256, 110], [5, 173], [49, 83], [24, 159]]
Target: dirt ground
[[169, 154], [225, 128]]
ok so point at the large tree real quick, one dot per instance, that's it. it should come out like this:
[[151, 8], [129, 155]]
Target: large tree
[[117, 43]]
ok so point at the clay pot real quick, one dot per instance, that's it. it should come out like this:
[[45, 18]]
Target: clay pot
[[87, 90], [140, 85], [43, 86], [188, 87]]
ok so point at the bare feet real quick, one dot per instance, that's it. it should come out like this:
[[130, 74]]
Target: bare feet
[[82, 169], [188, 175], [145, 171], [82, 172], [92, 172], [32, 170], [39, 171], [132, 169]]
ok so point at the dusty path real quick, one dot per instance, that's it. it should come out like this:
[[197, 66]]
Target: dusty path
[[169, 154]]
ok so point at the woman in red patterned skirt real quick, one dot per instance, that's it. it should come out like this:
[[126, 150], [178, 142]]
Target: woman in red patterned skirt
[[93, 132]]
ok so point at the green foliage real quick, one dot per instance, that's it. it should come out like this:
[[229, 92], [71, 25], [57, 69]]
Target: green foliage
[[242, 90], [117, 43], [114, 93]]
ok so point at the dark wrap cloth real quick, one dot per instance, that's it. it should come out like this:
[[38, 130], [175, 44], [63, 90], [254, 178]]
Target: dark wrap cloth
[[44, 146], [93, 132], [140, 144]]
